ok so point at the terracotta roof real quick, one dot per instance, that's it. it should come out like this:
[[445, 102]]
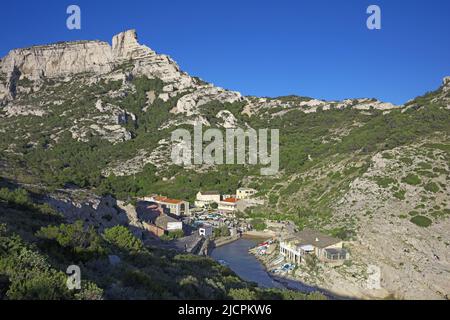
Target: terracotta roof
[[230, 200], [167, 200]]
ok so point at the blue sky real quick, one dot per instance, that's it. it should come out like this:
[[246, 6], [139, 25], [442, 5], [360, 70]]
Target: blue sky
[[319, 48]]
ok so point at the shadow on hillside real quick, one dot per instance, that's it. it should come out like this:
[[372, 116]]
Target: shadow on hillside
[[178, 245]]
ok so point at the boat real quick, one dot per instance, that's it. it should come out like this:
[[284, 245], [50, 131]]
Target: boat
[[223, 262]]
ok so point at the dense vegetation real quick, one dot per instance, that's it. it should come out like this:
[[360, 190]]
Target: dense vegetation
[[307, 141], [37, 247], [70, 162], [37, 244]]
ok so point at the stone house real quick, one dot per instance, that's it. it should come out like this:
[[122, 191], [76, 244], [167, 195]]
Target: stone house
[[157, 222], [205, 198], [171, 206]]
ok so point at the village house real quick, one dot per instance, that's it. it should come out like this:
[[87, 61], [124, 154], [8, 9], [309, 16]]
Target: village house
[[157, 222], [228, 205], [245, 193], [171, 206], [153, 229], [168, 223], [307, 242], [205, 199]]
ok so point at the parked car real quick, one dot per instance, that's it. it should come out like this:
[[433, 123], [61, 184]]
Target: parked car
[[276, 270]]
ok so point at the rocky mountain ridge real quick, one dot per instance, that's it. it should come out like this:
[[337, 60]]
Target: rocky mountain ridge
[[67, 59]]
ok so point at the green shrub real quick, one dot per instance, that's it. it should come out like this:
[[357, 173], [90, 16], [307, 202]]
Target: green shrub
[[432, 187], [258, 224], [425, 165], [83, 242], [384, 182], [406, 160], [242, 294], [412, 179], [171, 235], [222, 231], [343, 233], [16, 197], [29, 274], [421, 221], [400, 194], [123, 239], [273, 199], [387, 155]]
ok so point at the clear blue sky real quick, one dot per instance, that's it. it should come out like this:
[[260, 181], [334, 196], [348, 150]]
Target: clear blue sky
[[318, 48]]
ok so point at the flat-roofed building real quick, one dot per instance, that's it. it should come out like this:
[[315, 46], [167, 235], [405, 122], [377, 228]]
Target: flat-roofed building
[[245, 193], [328, 249]]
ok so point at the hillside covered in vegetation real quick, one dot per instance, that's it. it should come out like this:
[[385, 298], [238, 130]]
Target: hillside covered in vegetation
[[37, 246], [368, 172]]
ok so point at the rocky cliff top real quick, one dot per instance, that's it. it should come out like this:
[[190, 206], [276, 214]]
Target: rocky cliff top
[[446, 84], [125, 45], [70, 58], [67, 59], [98, 58]]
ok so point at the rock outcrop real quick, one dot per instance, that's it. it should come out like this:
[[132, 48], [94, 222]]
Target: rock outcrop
[[58, 60], [189, 103], [68, 59], [101, 212], [125, 46], [446, 84]]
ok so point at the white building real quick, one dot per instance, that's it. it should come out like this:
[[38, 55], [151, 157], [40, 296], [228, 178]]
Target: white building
[[245, 193], [205, 230], [205, 199], [172, 206], [228, 205], [308, 242]]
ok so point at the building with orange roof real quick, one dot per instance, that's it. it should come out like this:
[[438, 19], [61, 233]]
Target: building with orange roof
[[228, 204], [171, 206]]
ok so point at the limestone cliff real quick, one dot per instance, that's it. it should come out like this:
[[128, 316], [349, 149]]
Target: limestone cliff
[[58, 60], [67, 59], [125, 45]]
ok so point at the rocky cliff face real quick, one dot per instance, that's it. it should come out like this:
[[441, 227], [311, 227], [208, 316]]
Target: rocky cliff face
[[125, 45], [62, 60], [68, 59], [58, 60]]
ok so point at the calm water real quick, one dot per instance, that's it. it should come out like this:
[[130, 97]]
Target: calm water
[[244, 264], [249, 268]]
